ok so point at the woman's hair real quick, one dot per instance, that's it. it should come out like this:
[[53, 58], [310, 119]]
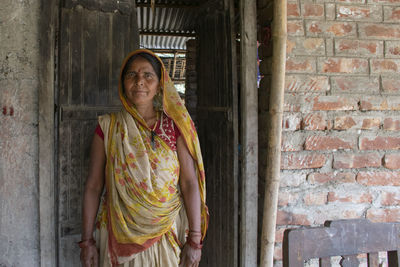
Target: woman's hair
[[150, 58]]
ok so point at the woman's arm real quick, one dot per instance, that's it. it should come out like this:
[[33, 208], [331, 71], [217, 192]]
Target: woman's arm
[[91, 199], [189, 185]]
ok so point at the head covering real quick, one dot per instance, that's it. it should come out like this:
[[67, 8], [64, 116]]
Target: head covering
[[135, 225]]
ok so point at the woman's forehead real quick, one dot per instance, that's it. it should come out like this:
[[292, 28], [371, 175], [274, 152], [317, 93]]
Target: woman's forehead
[[141, 64]]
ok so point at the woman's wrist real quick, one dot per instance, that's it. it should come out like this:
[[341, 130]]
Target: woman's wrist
[[84, 243]]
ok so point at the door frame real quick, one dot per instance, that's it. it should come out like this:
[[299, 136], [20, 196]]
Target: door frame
[[48, 54], [48, 29]]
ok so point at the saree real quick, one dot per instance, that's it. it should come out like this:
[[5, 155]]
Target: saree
[[142, 220]]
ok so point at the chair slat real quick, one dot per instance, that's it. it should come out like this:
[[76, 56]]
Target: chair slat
[[373, 259]]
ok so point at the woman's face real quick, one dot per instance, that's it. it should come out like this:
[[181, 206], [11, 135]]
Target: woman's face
[[141, 83]]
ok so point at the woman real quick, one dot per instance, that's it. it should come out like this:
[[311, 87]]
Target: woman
[[148, 157]]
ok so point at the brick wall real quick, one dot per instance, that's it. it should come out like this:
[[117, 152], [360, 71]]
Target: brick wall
[[341, 138], [191, 78]]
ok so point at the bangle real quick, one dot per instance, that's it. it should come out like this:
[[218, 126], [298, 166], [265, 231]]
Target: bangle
[[86, 243], [194, 245]]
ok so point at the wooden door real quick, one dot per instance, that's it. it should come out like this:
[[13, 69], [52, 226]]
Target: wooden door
[[95, 36], [218, 132]]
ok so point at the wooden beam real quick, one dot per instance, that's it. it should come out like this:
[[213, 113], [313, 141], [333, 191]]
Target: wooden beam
[[249, 93], [173, 67], [48, 27], [273, 168]]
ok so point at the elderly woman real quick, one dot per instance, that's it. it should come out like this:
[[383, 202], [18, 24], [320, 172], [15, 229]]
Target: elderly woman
[[153, 211]]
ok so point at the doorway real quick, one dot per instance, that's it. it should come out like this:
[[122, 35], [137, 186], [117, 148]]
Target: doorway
[[87, 87]]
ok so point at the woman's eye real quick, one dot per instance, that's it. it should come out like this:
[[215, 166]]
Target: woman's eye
[[148, 75]]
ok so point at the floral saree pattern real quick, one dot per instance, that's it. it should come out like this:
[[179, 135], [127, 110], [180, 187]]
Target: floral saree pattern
[[143, 199]]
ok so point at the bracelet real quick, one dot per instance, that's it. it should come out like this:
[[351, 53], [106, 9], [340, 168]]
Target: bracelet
[[86, 243], [194, 245]]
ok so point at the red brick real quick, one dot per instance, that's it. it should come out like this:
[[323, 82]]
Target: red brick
[[319, 142], [305, 46], [390, 198], [371, 123], [379, 31], [331, 29], [359, 13], [391, 85], [356, 122], [292, 103], [312, 10], [392, 161], [391, 124], [341, 177], [306, 83], [378, 178], [380, 103], [278, 253], [288, 218], [315, 122], [349, 197], [346, 47], [380, 66], [292, 141], [293, 9], [279, 235], [291, 122], [392, 49], [343, 65], [352, 1], [287, 198], [383, 215], [315, 199], [346, 84], [344, 123], [300, 65], [295, 28], [302, 161], [334, 103], [391, 14], [292, 179], [355, 161], [379, 143]]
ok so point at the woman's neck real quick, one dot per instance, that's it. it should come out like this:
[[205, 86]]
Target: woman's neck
[[148, 113]]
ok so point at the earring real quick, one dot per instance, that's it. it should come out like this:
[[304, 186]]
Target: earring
[[158, 101]]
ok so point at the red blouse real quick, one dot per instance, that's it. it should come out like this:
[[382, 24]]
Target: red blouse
[[166, 130]]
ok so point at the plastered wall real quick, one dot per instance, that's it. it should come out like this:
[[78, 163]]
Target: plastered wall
[[19, 235]]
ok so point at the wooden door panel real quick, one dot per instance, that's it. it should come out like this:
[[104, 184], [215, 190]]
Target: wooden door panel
[[92, 46], [217, 126]]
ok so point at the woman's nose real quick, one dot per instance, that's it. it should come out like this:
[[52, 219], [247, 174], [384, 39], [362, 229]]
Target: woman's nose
[[139, 80]]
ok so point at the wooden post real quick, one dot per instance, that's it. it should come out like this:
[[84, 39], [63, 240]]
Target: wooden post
[[249, 106], [279, 35]]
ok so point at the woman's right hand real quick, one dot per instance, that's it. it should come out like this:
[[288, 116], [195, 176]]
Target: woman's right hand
[[89, 256]]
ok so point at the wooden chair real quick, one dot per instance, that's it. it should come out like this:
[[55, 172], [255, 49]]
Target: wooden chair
[[346, 238]]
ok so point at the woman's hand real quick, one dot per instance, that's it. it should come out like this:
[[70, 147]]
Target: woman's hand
[[89, 256], [190, 257]]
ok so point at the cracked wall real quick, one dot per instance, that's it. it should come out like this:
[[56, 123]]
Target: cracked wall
[[19, 215]]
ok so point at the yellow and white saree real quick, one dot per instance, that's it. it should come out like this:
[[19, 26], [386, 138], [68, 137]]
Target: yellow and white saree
[[142, 221]]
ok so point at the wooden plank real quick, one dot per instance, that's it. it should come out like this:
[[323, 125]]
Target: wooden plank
[[104, 54], [65, 54], [373, 259], [48, 27], [249, 130], [325, 262], [394, 257], [90, 57], [76, 58], [118, 55]]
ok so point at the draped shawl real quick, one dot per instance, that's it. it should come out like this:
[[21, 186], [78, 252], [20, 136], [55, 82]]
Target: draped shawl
[[142, 196]]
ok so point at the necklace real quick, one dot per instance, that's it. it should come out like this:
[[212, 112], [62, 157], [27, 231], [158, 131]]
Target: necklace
[[153, 133]]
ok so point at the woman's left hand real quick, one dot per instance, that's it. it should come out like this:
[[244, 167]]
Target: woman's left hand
[[190, 256]]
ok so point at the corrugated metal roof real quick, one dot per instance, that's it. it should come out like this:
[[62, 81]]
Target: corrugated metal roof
[[163, 42], [169, 25]]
